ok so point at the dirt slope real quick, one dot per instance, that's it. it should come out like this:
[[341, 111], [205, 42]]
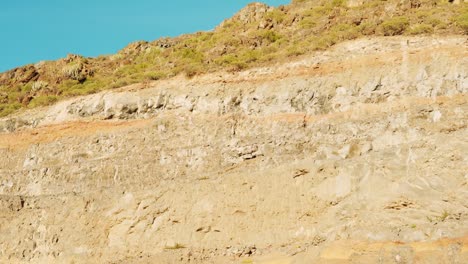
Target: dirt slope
[[352, 155]]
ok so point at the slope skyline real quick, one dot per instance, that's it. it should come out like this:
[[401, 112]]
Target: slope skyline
[[48, 30]]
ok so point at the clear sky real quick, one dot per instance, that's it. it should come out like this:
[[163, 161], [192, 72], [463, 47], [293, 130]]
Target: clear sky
[[35, 30]]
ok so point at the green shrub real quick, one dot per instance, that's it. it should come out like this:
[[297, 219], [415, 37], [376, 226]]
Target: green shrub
[[307, 22], [423, 14], [193, 69], [367, 28], [232, 62], [324, 42], [9, 108], [295, 50], [345, 31], [13, 96], [42, 100], [318, 11], [395, 26], [26, 88], [338, 2], [131, 69], [421, 29], [118, 83], [155, 75], [435, 22], [318, 16], [276, 16], [269, 35], [230, 40], [462, 22], [74, 88], [231, 25]]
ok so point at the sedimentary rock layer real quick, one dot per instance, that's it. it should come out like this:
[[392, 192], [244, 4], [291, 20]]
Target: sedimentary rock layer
[[353, 155]]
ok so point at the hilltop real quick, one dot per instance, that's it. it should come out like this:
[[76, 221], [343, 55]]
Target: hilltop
[[258, 35]]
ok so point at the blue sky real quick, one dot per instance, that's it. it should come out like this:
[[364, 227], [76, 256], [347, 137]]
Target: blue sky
[[35, 30]]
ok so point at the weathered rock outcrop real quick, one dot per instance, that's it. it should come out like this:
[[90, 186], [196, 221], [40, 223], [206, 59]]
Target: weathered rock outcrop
[[353, 155], [253, 12]]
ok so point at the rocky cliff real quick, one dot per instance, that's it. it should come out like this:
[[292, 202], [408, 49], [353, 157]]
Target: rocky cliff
[[352, 155]]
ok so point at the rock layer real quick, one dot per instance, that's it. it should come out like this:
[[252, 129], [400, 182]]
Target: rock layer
[[353, 155]]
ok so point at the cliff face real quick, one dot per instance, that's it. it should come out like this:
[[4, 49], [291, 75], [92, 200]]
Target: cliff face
[[352, 155]]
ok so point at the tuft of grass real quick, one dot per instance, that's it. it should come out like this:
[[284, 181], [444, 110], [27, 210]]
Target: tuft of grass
[[175, 246], [444, 216]]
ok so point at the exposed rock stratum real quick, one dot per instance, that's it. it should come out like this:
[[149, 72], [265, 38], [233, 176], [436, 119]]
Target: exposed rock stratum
[[357, 154]]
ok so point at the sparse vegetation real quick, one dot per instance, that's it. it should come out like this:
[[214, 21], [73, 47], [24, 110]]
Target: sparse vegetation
[[444, 215], [462, 21], [282, 33], [43, 100], [421, 29], [395, 26], [175, 246], [276, 16]]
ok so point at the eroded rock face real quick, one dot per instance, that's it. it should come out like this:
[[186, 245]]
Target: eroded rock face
[[361, 145], [20, 75], [252, 13]]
